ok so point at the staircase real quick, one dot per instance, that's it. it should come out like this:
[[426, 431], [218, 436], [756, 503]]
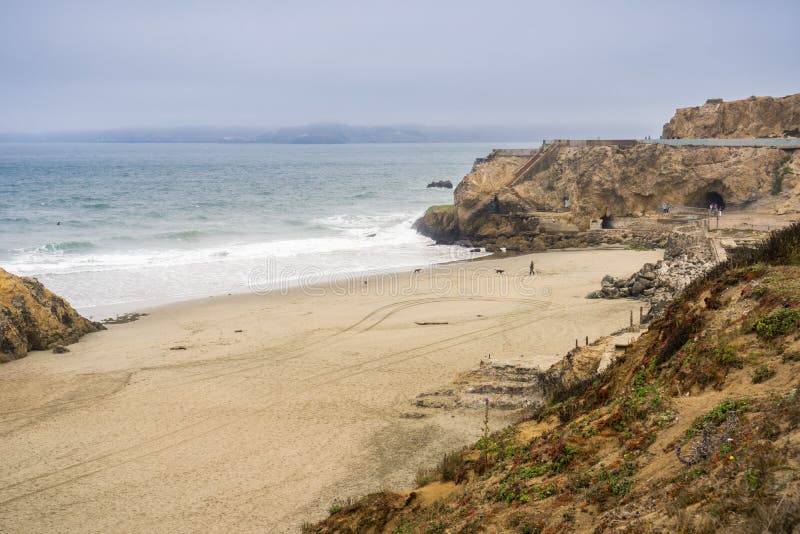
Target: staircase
[[522, 171]]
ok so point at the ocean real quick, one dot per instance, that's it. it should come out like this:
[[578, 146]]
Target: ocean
[[115, 228]]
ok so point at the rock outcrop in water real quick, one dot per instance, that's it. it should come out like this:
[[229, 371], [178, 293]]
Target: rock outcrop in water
[[438, 223], [34, 318], [757, 116], [444, 184]]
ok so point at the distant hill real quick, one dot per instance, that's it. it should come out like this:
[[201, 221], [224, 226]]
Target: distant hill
[[322, 133]]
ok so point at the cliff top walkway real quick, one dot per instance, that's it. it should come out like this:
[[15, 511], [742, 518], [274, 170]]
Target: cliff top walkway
[[776, 142]]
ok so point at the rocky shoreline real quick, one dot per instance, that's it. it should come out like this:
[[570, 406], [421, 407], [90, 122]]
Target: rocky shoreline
[[685, 258], [657, 284]]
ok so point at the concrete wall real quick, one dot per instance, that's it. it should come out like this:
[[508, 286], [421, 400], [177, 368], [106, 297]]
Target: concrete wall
[[514, 152], [592, 142]]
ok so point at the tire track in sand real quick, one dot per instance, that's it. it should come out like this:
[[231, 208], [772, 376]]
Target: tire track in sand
[[80, 470]]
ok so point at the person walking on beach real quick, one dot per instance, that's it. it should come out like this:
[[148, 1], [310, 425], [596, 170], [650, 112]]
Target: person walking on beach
[[532, 269]]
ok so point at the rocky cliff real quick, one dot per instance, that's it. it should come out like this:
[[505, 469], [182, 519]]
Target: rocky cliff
[[550, 197], [617, 181], [33, 318], [757, 116], [602, 183]]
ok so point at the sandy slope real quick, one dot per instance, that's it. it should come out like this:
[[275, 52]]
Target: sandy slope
[[260, 430]]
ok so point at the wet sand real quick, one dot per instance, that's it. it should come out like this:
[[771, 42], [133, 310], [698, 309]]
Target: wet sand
[[179, 423]]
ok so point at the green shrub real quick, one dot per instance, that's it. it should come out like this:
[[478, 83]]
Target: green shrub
[[776, 324], [617, 481], [778, 176], [717, 415], [727, 356], [762, 374], [534, 471], [339, 504], [562, 457], [452, 466], [542, 492]]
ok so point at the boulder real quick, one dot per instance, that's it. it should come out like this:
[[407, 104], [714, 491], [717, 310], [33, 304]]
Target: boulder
[[610, 292], [446, 184], [637, 288], [648, 275], [656, 283], [34, 318]]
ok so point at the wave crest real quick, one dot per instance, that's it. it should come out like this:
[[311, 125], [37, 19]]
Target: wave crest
[[184, 235], [66, 247]]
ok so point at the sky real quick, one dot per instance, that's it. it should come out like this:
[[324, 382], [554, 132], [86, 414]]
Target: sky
[[92, 65]]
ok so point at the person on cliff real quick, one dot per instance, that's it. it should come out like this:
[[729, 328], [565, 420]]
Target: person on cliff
[[531, 269]]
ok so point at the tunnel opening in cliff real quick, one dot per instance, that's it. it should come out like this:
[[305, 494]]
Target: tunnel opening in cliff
[[714, 198], [607, 221]]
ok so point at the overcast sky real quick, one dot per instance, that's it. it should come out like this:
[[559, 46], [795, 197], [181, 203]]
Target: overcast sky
[[85, 65]]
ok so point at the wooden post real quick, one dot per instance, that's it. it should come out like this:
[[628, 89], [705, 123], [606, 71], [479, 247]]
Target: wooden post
[[641, 314], [631, 320], [576, 343], [587, 341]]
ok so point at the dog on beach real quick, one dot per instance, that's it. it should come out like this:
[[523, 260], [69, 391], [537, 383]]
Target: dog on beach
[[417, 271], [500, 271]]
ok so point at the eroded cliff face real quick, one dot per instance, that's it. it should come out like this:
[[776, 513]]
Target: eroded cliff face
[[34, 318], [476, 216], [622, 181], [761, 116], [615, 181]]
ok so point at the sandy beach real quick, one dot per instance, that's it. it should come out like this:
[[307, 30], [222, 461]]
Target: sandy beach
[[252, 413]]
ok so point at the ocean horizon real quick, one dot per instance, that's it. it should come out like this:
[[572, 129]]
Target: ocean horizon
[[115, 228]]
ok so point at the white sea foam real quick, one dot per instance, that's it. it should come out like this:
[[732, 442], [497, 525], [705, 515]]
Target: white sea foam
[[102, 282], [357, 233]]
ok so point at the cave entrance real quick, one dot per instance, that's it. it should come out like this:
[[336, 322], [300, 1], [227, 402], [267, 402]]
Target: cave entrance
[[712, 197], [606, 222]]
